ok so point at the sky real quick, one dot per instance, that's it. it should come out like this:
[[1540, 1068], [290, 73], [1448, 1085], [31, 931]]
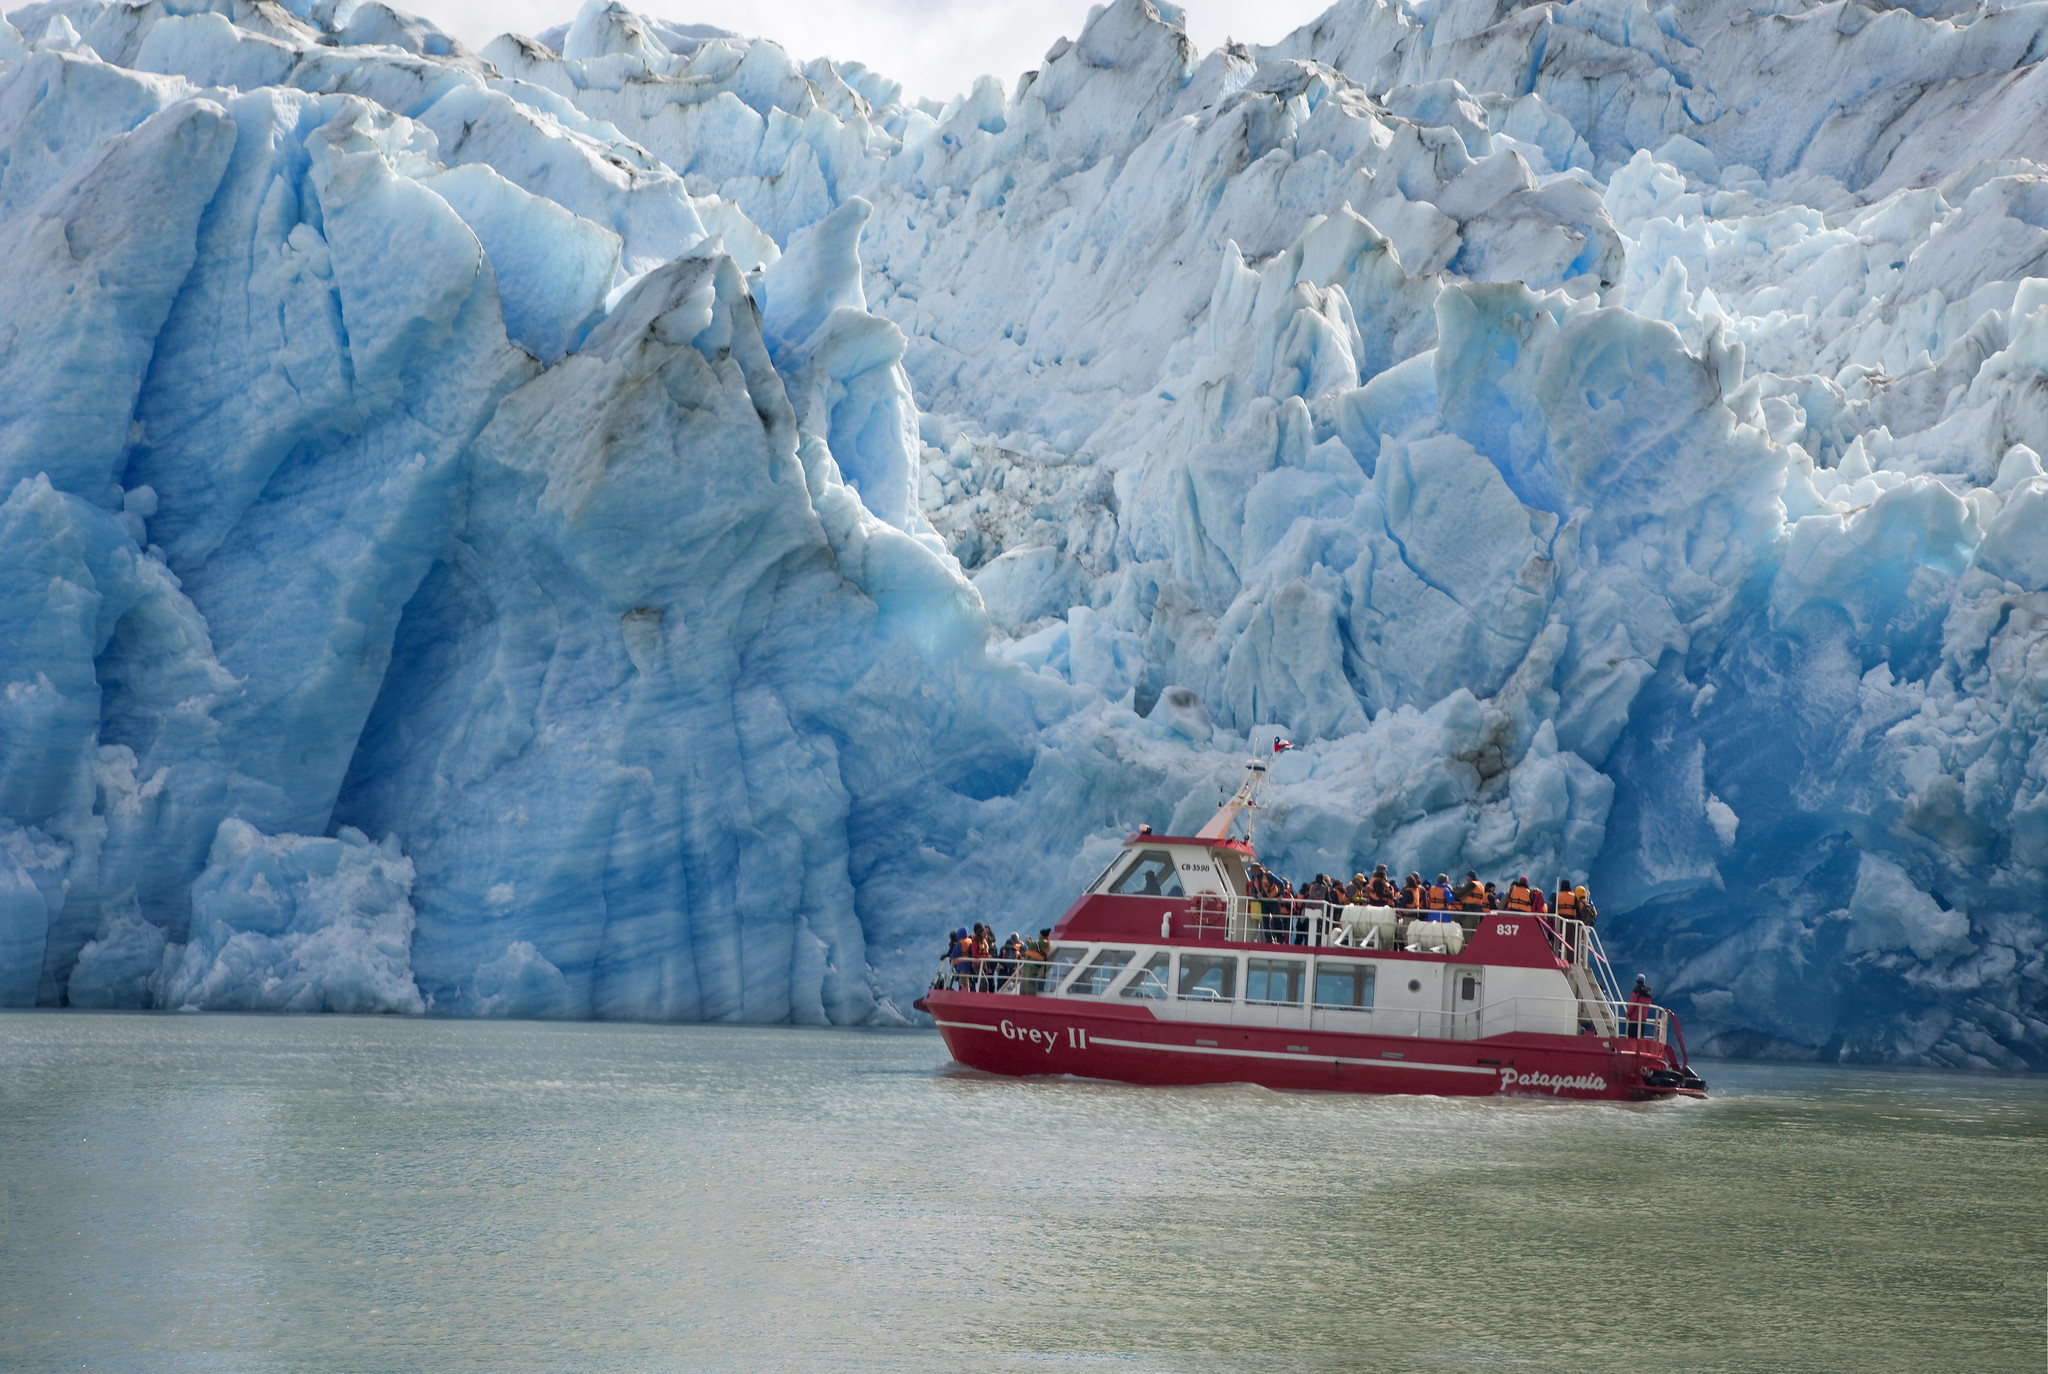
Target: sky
[[934, 47]]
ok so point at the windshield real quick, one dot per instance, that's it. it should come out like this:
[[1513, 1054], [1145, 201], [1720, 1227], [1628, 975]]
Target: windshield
[[1151, 874]]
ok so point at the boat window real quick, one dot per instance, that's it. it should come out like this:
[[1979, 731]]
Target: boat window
[[1151, 980], [1343, 983], [1208, 977], [1064, 957], [1101, 883], [1094, 980], [1274, 980], [1151, 874]]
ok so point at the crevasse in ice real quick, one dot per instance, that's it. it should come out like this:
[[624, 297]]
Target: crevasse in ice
[[623, 524]]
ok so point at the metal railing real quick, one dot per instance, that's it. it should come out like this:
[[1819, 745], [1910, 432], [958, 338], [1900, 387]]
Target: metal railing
[[1296, 921], [1025, 977]]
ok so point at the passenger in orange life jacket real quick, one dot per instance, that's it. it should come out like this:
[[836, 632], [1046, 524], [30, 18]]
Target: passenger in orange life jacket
[[1567, 904], [1471, 893], [1277, 893], [1357, 892], [1411, 893], [1381, 890], [1492, 897], [1439, 897], [960, 958], [1520, 895]]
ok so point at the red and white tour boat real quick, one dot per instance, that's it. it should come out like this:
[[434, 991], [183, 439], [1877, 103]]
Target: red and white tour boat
[[1164, 972]]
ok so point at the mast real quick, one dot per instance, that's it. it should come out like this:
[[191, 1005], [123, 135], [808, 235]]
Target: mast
[[1246, 799]]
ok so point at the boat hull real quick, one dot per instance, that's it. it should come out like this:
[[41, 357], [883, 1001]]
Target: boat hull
[[1024, 1036]]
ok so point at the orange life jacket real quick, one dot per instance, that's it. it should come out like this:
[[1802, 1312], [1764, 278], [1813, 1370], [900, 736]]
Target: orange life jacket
[[1567, 903], [1518, 898]]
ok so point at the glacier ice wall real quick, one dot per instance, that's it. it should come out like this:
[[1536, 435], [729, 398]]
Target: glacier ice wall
[[717, 523]]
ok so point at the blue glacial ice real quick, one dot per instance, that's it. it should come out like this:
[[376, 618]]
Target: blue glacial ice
[[625, 524]]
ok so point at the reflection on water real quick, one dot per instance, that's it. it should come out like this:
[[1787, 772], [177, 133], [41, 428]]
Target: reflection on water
[[268, 1193]]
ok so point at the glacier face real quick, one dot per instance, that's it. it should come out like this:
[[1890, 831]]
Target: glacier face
[[720, 523]]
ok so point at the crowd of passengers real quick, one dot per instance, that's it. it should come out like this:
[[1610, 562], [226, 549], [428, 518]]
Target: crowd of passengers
[[980, 965], [1270, 895]]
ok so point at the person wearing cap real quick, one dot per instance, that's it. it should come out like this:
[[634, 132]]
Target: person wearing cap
[[1586, 909], [1471, 893], [1640, 1001], [1520, 896], [961, 955], [1031, 963], [1357, 892]]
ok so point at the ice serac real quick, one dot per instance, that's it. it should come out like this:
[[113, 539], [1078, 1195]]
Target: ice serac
[[279, 923], [629, 524]]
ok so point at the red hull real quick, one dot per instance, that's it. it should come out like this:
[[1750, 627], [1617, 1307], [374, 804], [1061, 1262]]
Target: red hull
[[1024, 1036]]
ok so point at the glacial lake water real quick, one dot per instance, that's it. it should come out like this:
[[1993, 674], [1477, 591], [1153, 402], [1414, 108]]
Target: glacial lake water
[[250, 1193]]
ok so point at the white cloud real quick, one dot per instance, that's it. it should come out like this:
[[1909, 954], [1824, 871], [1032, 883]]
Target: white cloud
[[934, 47]]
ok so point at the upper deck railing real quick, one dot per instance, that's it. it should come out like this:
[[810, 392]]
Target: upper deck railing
[[1295, 921]]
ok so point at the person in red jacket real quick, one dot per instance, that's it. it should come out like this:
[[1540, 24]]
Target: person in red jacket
[[1639, 1004]]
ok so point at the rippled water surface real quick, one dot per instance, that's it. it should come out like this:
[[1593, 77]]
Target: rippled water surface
[[325, 1193]]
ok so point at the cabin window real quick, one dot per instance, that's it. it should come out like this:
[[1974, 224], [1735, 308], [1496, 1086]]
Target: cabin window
[[1064, 957], [1094, 980], [1343, 983], [1208, 977], [1151, 874], [1274, 980], [1151, 979]]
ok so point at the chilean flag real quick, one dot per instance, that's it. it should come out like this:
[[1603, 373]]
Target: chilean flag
[[1281, 746]]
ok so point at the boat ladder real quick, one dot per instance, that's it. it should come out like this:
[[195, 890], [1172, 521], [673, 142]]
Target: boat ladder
[[1591, 977]]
